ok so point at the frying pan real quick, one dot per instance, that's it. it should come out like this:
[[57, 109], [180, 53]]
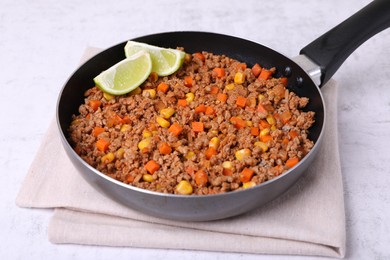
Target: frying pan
[[315, 65]]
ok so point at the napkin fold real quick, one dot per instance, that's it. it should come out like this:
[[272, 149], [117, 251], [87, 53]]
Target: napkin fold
[[309, 219]]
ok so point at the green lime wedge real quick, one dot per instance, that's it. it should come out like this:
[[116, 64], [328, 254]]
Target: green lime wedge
[[126, 75], [165, 61]]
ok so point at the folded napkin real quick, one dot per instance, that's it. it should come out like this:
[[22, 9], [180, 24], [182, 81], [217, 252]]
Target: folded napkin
[[307, 220]]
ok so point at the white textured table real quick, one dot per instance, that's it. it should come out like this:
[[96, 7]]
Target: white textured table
[[41, 43]]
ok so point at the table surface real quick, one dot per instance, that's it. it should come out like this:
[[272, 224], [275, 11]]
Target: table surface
[[41, 44]]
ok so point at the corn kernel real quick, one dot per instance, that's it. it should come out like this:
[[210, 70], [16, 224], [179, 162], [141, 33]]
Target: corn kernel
[[151, 93], [262, 145], [119, 153], [248, 184], [243, 154], [271, 120], [136, 91], [167, 112], [108, 158], [147, 177], [107, 96], [273, 128], [227, 165], [264, 132], [146, 133], [184, 188], [230, 86], [144, 143], [125, 127], [190, 97], [190, 154], [239, 78], [214, 143], [249, 123], [261, 97], [162, 122]]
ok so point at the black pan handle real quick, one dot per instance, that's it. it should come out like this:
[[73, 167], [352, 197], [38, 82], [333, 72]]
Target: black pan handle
[[331, 49]]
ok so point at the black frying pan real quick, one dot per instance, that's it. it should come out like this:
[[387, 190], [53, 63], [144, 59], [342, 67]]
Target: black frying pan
[[321, 59]]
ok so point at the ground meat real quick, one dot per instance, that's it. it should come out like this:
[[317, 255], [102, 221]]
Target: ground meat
[[253, 129]]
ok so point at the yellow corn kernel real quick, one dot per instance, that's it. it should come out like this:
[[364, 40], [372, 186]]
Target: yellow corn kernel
[[108, 158], [147, 177], [214, 143], [190, 154], [227, 165], [107, 96], [271, 120], [151, 93], [144, 143], [261, 97], [162, 122], [119, 153], [146, 133], [248, 184], [230, 86], [167, 112], [239, 78], [190, 97], [264, 132], [262, 145], [125, 127], [249, 123], [273, 128], [184, 188], [214, 131], [136, 91], [243, 154]]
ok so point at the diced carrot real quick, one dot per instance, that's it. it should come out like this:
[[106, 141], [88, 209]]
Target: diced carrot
[[197, 127], [130, 178], [256, 69], [241, 101], [164, 148], [113, 120], [219, 72], [201, 178], [222, 97], [97, 130], [182, 102], [102, 145], [266, 138], [175, 129], [190, 170], [255, 131], [200, 109], [227, 172], [163, 87], [238, 122], [264, 124], [199, 56], [284, 81], [214, 90], [261, 108], [209, 111], [292, 162], [265, 74], [285, 116], [188, 81], [210, 152], [246, 175], [95, 104], [88, 116], [152, 166], [241, 66], [292, 134]]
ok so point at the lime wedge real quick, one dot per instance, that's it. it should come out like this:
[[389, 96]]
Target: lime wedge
[[165, 61], [126, 75]]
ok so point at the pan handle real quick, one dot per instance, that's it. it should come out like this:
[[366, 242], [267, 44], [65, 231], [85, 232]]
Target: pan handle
[[331, 49]]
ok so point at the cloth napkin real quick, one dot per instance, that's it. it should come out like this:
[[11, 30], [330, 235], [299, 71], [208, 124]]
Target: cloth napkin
[[307, 220]]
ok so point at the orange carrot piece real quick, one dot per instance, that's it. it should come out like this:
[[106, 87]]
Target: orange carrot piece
[[285, 117], [261, 108], [238, 122], [292, 162], [210, 152], [201, 178], [102, 145], [97, 130], [241, 101], [163, 87], [214, 90], [182, 102], [175, 129], [284, 81], [227, 172], [197, 127], [209, 111], [130, 178], [246, 175], [241, 66], [190, 170], [266, 138], [255, 131], [200, 109], [219, 72], [292, 134], [264, 124], [126, 120], [265, 74], [95, 104], [285, 141], [200, 56], [188, 81], [164, 148], [256, 69], [222, 97], [152, 166]]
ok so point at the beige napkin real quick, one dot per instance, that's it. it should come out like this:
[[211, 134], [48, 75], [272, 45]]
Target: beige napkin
[[308, 220]]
